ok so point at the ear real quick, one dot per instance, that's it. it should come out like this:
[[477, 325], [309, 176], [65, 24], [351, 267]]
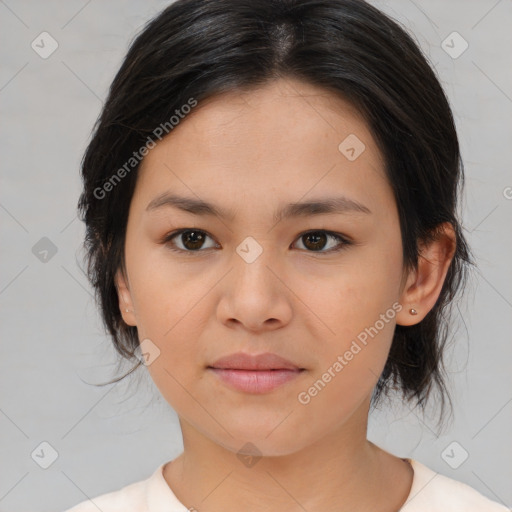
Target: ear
[[125, 299], [423, 285]]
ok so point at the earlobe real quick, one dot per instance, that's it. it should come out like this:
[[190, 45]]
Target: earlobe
[[424, 284], [125, 300]]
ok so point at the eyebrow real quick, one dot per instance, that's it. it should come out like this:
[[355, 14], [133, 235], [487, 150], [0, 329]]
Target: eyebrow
[[340, 204]]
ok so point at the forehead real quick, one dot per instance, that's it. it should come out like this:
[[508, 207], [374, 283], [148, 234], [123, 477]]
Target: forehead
[[281, 113], [287, 135]]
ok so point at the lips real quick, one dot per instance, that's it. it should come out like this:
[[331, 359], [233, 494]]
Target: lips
[[243, 361]]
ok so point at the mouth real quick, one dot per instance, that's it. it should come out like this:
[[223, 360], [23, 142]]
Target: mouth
[[255, 381], [248, 362], [259, 373]]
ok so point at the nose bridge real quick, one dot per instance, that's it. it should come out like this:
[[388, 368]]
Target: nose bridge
[[252, 260]]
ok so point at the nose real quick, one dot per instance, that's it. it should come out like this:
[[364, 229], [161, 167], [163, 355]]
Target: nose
[[255, 296]]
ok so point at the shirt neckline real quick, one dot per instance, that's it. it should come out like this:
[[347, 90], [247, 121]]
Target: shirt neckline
[[159, 492]]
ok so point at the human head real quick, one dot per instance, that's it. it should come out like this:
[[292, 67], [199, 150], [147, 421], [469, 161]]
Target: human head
[[201, 50]]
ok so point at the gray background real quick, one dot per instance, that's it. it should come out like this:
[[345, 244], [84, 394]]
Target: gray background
[[53, 346]]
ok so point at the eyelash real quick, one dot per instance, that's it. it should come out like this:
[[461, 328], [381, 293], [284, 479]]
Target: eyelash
[[167, 240]]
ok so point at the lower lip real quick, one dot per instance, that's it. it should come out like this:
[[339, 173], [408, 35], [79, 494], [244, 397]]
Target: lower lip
[[256, 381]]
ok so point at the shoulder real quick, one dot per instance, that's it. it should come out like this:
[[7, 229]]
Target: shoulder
[[129, 498], [434, 492], [144, 496]]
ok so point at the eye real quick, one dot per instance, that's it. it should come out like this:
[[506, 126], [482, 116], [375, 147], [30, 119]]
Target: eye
[[192, 240], [317, 240]]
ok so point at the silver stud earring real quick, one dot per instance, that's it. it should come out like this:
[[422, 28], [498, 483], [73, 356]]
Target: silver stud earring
[[413, 311], [127, 310]]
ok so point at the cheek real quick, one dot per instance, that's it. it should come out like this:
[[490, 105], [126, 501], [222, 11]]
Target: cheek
[[179, 366], [348, 369], [170, 314], [358, 304], [354, 297], [163, 291]]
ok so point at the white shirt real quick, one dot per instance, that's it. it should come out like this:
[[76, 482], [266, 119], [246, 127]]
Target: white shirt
[[430, 492]]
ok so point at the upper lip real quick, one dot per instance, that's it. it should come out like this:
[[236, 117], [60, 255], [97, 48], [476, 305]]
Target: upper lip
[[243, 361]]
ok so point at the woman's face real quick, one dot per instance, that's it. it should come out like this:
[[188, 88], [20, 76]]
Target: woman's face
[[253, 282]]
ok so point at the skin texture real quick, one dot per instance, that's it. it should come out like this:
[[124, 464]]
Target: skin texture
[[250, 152]]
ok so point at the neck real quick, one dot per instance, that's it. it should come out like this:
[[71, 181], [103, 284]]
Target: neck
[[342, 471]]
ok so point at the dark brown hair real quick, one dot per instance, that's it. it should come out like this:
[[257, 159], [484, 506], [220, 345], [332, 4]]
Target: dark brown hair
[[197, 49]]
